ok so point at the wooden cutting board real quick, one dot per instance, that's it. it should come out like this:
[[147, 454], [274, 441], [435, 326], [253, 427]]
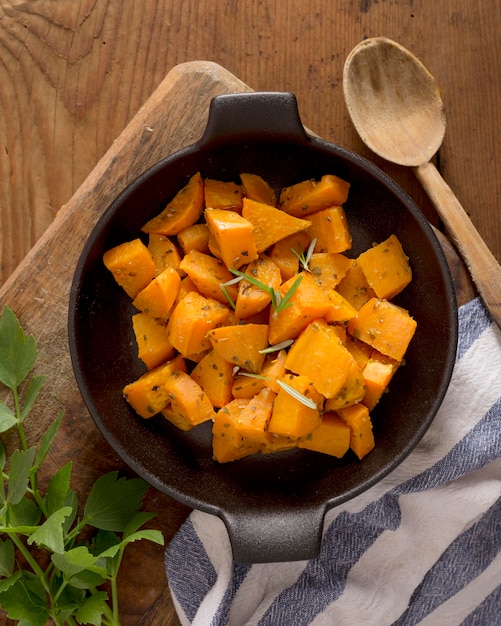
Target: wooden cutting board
[[38, 292]]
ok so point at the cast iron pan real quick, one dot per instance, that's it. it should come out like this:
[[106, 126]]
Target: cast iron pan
[[272, 505]]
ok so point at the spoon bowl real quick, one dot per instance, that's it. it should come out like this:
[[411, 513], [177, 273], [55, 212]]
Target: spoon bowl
[[395, 106], [401, 120]]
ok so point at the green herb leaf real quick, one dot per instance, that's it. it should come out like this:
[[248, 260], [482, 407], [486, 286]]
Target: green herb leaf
[[19, 474], [7, 557], [18, 352], [25, 600], [76, 560], [92, 609], [297, 395], [113, 501], [277, 347], [7, 418], [50, 534], [48, 438], [25, 513], [34, 386], [285, 301], [305, 259]]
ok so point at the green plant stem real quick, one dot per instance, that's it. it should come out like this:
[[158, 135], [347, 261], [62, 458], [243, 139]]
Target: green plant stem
[[31, 561], [20, 429]]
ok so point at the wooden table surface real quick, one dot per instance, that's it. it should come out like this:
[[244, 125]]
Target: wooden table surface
[[74, 74]]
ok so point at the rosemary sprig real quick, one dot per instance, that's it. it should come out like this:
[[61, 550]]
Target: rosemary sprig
[[277, 347], [297, 395], [305, 258], [278, 302], [225, 291]]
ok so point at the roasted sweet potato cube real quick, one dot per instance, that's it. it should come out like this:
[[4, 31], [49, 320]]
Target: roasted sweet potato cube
[[384, 326], [311, 196], [208, 274], [352, 391], [386, 268], [190, 321], [163, 252], [234, 236], [215, 376], [253, 419], [361, 436], [331, 437], [131, 265], [329, 268], [355, 288], [157, 298], [153, 345], [377, 374], [270, 224], [225, 195], [252, 299], [241, 344], [319, 354], [291, 417], [330, 228], [340, 310], [283, 253], [256, 188], [183, 210], [307, 303], [227, 442], [187, 399], [147, 395]]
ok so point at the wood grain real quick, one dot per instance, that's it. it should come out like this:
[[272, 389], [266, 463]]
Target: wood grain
[[74, 73]]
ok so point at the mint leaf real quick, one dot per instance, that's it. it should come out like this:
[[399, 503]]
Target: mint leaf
[[92, 609], [19, 474], [34, 386], [7, 418], [18, 352], [113, 501], [7, 558], [25, 601], [50, 533]]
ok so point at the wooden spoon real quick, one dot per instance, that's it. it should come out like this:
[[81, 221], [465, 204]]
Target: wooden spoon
[[395, 106]]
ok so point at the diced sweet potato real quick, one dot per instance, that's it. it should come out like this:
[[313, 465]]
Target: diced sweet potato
[[352, 391], [147, 395], [153, 345], [187, 399], [225, 195], [307, 303], [377, 374], [331, 437], [384, 326], [182, 211], [361, 436], [282, 253], [310, 196], [227, 442], [163, 252], [131, 265], [270, 224], [215, 376], [292, 418], [241, 345], [319, 354], [355, 288], [234, 236], [190, 321], [208, 274], [194, 237], [252, 421], [256, 188], [340, 310], [330, 228], [386, 268], [329, 268], [157, 298], [252, 299]]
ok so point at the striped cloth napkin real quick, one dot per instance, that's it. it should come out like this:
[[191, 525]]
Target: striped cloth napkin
[[423, 546]]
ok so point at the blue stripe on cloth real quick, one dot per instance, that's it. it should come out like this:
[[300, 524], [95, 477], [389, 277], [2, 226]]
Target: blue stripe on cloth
[[473, 320], [465, 559], [239, 572], [351, 534], [487, 613], [192, 575]]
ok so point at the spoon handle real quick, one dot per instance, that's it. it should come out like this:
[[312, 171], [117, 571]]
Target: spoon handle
[[483, 266]]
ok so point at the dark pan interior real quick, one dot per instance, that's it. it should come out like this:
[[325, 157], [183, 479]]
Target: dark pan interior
[[293, 486]]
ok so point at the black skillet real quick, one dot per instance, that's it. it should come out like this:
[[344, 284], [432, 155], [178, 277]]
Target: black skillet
[[273, 505]]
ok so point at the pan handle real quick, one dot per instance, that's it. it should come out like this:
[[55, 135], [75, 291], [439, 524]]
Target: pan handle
[[272, 537], [256, 115]]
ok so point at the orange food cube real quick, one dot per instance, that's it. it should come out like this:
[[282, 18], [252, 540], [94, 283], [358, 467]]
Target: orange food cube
[[223, 195], [256, 188], [331, 437], [311, 196], [252, 299], [241, 344], [386, 268], [234, 236], [227, 441], [384, 326], [157, 298], [188, 399], [131, 265], [361, 436], [215, 376], [377, 375], [153, 345], [163, 252], [208, 274], [291, 417], [329, 268], [330, 228]]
